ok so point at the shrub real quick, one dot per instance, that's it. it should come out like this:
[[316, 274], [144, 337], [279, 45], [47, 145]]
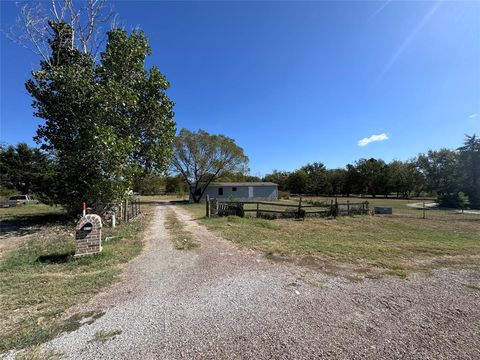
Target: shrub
[[333, 211], [294, 213], [453, 200], [267, 216]]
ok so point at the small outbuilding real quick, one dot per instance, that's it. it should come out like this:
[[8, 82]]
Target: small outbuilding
[[241, 191]]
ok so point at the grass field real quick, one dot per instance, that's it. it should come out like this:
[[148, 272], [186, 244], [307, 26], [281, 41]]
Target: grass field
[[21, 212], [396, 244], [40, 280]]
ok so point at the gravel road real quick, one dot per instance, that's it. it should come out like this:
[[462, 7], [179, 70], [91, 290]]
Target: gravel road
[[220, 301]]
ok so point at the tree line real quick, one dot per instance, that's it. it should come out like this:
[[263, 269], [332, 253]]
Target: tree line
[[453, 176], [198, 158]]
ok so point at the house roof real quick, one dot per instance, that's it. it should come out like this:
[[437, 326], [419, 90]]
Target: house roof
[[215, 184]]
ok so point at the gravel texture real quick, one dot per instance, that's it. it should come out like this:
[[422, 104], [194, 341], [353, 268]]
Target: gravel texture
[[220, 301]]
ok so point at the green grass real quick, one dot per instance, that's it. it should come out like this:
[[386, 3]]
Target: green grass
[[182, 239], [25, 212], [105, 335], [40, 280], [395, 244]]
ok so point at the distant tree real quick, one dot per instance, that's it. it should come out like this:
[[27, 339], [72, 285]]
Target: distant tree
[[176, 185], [316, 178], [201, 158], [352, 182], [469, 167], [336, 179], [149, 184], [25, 169], [297, 182], [439, 169], [373, 176], [404, 178], [278, 177]]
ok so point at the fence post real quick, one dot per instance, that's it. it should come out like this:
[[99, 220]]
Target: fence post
[[348, 207], [125, 210], [336, 207], [207, 206], [423, 207], [299, 206], [366, 206], [258, 208]]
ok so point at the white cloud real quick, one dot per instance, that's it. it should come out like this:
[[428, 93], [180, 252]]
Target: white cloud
[[473, 116], [373, 138]]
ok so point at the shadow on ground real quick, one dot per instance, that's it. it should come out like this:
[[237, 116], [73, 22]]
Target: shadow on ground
[[30, 224], [56, 258]]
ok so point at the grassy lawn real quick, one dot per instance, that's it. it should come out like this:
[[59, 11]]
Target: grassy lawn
[[23, 212], [394, 245], [40, 279]]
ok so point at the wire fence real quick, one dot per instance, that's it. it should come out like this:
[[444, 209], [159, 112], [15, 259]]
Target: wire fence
[[300, 207], [411, 208]]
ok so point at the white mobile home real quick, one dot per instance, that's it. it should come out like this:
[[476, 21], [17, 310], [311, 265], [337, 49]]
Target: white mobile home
[[241, 191]]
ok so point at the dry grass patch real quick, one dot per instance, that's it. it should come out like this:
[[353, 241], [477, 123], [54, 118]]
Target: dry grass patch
[[182, 238], [105, 335]]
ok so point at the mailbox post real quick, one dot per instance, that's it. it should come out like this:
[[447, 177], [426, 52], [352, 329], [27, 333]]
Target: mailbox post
[[88, 235]]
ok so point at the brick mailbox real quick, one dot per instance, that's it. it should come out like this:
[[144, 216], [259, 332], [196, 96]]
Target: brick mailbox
[[88, 235]]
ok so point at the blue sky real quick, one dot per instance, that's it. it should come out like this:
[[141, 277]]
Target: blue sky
[[297, 82]]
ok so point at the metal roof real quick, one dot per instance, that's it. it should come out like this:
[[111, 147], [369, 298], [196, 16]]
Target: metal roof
[[242, 184]]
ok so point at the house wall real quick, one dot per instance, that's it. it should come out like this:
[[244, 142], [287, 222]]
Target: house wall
[[256, 193]]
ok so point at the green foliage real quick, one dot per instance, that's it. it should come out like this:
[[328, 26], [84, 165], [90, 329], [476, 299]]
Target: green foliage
[[201, 157], [316, 178], [25, 170], [175, 185], [279, 178], [456, 200], [297, 182], [149, 184], [104, 122]]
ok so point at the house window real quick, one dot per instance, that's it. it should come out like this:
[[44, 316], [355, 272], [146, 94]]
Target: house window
[[220, 191], [234, 188]]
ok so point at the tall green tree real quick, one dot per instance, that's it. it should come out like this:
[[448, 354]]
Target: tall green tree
[[439, 168], [25, 169], [201, 158], [316, 178], [104, 122], [373, 176], [278, 177], [469, 165], [297, 182]]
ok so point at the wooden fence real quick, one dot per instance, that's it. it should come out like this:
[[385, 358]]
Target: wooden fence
[[124, 211], [284, 210]]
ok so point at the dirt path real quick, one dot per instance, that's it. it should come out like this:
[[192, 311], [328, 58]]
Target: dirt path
[[219, 301]]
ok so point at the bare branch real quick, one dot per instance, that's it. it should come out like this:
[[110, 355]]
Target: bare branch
[[89, 21]]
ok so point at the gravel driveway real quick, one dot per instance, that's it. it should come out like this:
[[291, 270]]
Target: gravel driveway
[[219, 301]]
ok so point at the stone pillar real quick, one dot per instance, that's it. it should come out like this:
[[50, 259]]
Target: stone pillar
[[88, 235]]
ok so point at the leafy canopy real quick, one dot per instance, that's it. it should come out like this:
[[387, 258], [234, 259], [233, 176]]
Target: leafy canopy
[[201, 157], [104, 122]]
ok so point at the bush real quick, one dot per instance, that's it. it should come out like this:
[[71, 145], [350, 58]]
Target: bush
[[267, 216], [332, 211], [453, 200], [294, 213]]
